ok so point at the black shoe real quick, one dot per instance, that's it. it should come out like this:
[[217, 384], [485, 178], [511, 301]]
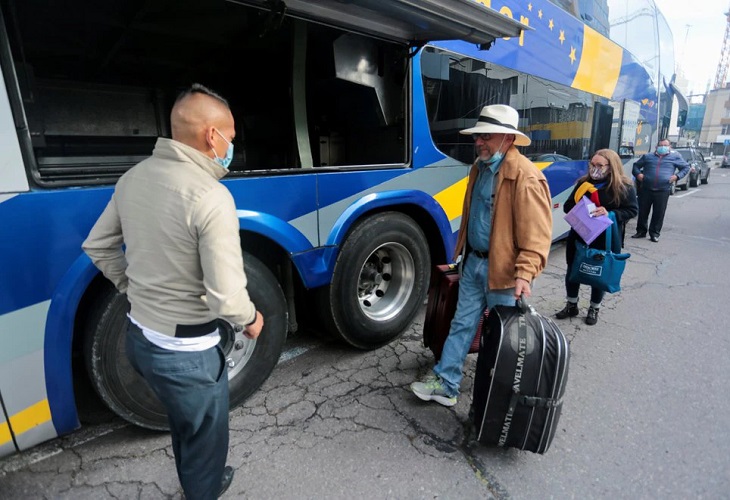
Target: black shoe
[[570, 309], [592, 317], [226, 479], [655, 239], [639, 235]]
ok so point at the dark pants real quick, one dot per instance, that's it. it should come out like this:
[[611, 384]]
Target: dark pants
[[193, 386], [572, 288], [656, 202]]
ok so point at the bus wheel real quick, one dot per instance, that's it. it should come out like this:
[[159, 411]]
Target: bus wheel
[[250, 362], [379, 281]]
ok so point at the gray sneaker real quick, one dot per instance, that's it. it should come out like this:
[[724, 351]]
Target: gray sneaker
[[432, 389]]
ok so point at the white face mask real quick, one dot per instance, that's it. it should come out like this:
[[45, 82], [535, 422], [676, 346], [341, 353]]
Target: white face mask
[[598, 174], [598, 169]]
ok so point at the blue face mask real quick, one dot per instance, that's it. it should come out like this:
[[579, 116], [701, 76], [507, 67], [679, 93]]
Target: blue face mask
[[225, 161], [496, 156], [662, 150]]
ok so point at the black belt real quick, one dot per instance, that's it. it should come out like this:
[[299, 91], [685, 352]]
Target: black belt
[[189, 331], [480, 254]]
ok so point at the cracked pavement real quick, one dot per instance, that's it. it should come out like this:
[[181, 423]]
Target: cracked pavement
[[337, 423]]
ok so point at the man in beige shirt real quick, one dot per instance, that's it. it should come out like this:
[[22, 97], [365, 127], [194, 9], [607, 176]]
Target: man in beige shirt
[[181, 271]]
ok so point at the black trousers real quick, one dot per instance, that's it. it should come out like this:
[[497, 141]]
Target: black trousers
[[656, 203], [572, 289], [193, 386]]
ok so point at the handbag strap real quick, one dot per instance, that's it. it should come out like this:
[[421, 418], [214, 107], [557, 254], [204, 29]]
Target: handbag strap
[[613, 233], [609, 232]]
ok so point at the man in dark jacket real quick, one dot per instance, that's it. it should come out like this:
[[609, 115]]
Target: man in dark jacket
[[656, 172]]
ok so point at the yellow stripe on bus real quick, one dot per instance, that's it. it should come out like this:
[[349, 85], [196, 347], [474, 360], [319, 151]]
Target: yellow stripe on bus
[[600, 64], [565, 130], [5, 436], [33, 416], [451, 199]]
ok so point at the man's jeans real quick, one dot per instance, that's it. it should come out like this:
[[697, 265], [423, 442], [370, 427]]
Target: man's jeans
[[473, 299], [193, 386]]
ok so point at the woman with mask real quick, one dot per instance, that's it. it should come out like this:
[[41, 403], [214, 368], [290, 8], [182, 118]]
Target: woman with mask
[[610, 190]]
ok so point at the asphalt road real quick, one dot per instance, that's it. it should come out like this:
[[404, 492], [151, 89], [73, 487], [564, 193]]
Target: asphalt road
[[645, 414]]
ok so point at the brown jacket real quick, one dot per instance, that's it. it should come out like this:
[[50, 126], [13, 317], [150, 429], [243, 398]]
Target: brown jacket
[[522, 221]]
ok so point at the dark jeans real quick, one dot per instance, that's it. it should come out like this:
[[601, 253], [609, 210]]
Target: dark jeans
[[571, 288], [656, 202], [193, 386]]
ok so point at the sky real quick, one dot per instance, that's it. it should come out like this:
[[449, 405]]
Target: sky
[[697, 50]]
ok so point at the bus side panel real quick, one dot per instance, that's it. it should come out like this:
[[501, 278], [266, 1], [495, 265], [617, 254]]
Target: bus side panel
[[561, 178], [290, 198], [59, 336], [41, 236], [7, 447], [419, 187], [22, 377]]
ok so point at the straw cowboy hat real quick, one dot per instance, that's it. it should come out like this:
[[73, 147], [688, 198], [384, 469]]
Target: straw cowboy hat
[[498, 119]]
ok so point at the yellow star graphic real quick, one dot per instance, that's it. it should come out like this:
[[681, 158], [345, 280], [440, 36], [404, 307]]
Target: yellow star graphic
[[572, 55], [529, 7], [551, 25], [561, 37], [539, 13]]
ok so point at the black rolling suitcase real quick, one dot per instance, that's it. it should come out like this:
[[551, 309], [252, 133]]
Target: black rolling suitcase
[[520, 379]]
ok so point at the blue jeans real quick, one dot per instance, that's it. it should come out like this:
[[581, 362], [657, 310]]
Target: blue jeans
[[193, 386], [473, 299]]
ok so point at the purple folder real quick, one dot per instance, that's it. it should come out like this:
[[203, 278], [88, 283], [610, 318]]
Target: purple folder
[[586, 226]]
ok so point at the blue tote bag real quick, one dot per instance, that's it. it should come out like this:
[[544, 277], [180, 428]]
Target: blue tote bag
[[598, 268]]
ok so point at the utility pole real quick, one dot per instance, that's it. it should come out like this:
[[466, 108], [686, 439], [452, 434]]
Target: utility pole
[[721, 73]]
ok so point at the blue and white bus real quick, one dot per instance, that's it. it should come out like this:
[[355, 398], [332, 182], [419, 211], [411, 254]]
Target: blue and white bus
[[348, 174]]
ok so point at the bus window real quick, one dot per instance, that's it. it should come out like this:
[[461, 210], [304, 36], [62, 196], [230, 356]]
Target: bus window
[[560, 120], [307, 95], [355, 99]]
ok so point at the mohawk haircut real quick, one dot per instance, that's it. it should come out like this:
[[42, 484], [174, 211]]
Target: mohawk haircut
[[197, 88]]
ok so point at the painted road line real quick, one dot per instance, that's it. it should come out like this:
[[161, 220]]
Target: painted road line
[[687, 193]]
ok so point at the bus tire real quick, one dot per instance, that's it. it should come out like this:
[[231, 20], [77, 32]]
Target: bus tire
[[379, 282], [250, 362]]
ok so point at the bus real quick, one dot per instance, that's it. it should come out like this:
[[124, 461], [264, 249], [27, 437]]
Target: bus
[[348, 173]]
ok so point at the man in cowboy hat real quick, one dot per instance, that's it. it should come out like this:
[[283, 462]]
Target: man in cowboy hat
[[504, 240]]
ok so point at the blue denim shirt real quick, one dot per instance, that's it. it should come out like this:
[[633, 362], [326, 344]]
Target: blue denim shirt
[[480, 213]]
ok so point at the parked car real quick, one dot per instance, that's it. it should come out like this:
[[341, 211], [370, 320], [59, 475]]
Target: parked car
[[551, 157], [681, 184], [699, 169]]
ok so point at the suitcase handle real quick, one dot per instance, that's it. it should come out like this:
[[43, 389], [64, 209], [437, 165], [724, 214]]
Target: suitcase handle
[[522, 304]]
